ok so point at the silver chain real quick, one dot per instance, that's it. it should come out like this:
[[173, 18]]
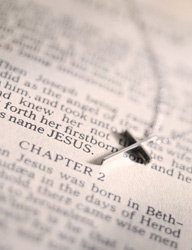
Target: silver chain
[[156, 121]]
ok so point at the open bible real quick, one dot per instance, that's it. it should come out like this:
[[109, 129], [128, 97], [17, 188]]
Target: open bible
[[75, 78]]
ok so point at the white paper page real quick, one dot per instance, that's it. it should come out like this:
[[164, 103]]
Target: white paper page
[[74, 76]]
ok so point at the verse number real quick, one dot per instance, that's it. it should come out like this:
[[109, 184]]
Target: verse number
[[101, 176]]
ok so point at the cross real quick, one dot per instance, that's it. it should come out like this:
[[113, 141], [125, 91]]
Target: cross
[[134, 145]]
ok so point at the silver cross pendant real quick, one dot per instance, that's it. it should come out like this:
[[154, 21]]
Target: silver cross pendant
[[134, 151]]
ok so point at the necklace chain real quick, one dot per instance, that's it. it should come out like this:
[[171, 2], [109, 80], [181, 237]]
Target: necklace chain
[[156, 121]]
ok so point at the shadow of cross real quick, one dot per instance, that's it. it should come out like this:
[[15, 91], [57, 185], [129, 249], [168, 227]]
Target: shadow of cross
[[134, 151]]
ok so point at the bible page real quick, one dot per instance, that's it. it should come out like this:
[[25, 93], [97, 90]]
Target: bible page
[[79, 81]]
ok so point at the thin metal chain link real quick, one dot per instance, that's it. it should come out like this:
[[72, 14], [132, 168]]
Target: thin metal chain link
[[156, 121]]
